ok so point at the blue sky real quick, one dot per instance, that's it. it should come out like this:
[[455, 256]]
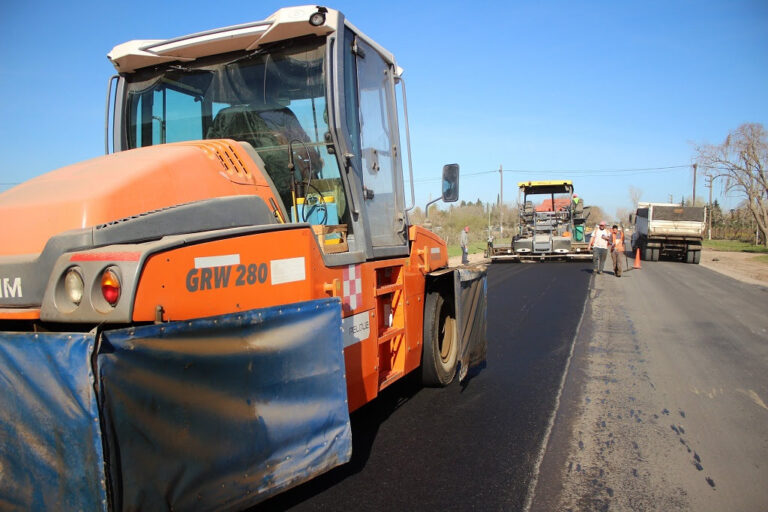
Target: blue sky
[[539, 88]]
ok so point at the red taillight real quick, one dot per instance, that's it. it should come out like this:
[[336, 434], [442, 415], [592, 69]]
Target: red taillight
[[110, 286]]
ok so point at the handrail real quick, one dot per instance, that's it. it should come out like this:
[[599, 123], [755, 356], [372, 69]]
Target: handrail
[[106, 114], [408, 144]]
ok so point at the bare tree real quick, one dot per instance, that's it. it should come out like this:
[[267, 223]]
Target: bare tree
[[597, 214], [622, 215], [742, 159], [634, 195]]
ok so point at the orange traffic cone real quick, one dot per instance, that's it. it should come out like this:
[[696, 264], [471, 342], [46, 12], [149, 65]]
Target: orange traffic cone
[[637, 259]]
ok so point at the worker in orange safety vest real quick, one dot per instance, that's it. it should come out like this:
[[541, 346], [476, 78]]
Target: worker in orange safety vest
[[617, 250]]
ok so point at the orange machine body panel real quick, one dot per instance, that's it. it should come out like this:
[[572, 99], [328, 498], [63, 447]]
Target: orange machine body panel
[[123, 184], [382, 301], [20, 314], [560, 203]]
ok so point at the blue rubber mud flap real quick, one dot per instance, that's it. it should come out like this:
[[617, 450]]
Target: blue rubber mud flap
[[51, 455], [223, 412], [471, 291]]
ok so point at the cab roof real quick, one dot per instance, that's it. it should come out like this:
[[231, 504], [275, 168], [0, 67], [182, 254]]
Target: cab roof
[[286, 23], [546, 187]]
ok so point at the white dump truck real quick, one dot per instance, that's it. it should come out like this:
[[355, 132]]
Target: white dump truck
[[669, 230]]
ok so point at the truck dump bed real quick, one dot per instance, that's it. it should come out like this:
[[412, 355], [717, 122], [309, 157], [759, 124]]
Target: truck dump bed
[[675, 221], [669, 230]]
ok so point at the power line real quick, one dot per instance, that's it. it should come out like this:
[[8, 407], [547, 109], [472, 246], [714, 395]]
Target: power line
[[630, 169], [580, 172]]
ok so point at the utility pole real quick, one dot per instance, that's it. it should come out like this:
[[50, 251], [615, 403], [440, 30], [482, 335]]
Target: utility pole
[[710, 179], [490, 233], [694, 184], [501, 201], [671, 199]]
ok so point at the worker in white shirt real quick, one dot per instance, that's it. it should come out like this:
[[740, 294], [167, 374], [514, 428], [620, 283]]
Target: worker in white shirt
[[599, 243], [464, 243]]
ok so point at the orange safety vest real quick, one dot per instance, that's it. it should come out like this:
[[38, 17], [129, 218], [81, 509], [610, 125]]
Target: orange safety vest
[[618, 242]]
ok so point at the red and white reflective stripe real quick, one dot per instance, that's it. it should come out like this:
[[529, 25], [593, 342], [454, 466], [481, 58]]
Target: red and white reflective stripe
[[105, 256], [352, 287]]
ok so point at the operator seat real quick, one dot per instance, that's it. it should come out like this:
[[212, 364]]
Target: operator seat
[[269, 129], [528, 211]]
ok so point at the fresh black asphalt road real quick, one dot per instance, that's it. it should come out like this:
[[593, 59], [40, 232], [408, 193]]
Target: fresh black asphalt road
[[470, 446]]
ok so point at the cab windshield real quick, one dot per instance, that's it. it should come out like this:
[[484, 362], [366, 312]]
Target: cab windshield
[[272, 98]]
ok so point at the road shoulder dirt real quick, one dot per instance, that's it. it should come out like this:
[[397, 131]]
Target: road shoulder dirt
[[742, 266]]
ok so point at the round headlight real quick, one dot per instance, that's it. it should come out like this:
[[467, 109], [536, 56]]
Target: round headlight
[[73, 285]]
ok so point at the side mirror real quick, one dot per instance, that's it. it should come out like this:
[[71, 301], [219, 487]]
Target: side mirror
[[450, 183], [631, 219]]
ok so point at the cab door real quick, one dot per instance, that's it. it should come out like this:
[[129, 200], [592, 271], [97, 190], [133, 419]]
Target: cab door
[[381, 169]]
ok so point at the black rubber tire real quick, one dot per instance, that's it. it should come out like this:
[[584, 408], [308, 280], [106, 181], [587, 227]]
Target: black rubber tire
[[689, 255], [655, 254], [646, 253], [696, 257], [440, 350]]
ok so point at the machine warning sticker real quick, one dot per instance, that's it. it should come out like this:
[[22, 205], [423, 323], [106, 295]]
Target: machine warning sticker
[[356, 328], [215, 272]]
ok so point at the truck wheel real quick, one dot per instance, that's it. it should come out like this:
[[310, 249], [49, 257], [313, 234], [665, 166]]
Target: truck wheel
[[689, 256], [647, 253], [655, 254], [696, 257], [440, 348]]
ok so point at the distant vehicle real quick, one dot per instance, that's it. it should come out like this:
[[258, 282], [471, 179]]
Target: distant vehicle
[[552, 229], [669, 230]]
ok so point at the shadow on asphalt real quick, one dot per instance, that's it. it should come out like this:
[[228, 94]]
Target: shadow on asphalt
[[365, 423]]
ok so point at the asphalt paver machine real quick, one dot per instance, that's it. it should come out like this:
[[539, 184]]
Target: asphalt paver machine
[[552, 221]]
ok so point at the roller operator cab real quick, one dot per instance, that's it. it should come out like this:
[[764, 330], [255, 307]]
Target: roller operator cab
[[198, 310]]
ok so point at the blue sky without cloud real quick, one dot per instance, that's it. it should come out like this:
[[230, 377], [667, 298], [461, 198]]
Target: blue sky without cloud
[[598, 89]]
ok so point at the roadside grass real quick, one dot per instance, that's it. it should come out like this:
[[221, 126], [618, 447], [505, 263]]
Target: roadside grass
[[763, 258], [734, 246], [474, 247]]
